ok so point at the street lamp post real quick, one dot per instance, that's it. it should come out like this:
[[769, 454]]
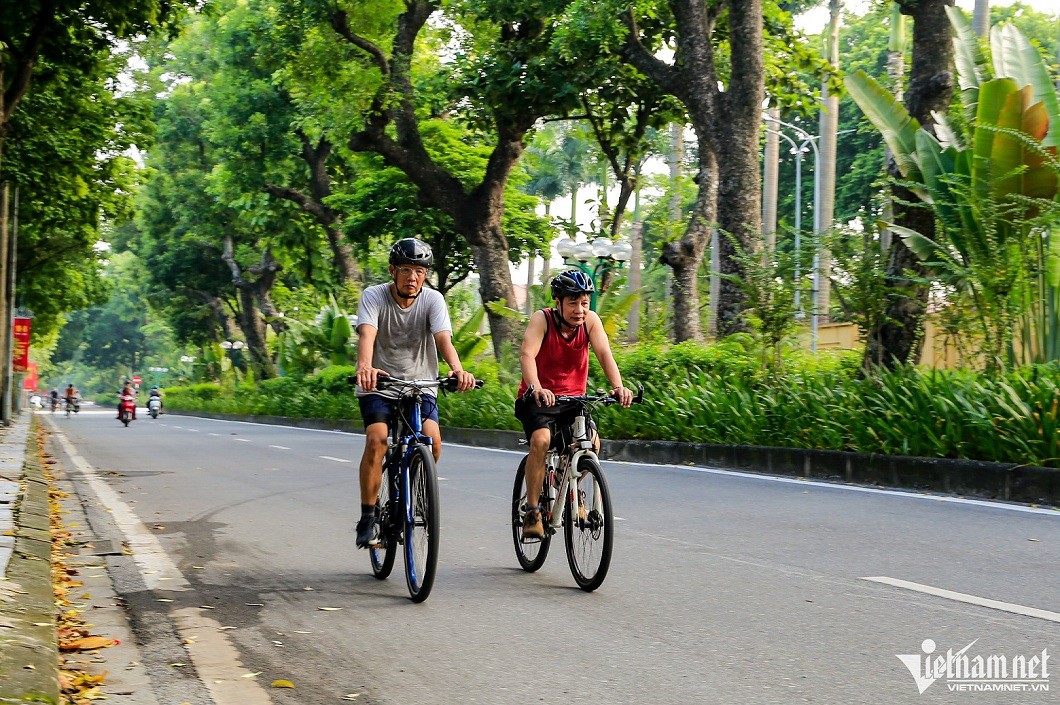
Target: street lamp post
[[608, 255]]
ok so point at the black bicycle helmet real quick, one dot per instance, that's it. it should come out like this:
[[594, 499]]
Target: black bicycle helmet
[[573, 282], [411, 251]]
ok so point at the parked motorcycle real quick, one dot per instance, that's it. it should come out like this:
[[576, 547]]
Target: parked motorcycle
[[154, 407], [127, 409]]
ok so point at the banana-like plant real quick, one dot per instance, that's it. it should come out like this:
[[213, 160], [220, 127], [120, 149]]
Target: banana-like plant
[[992, 182], [328, 339]]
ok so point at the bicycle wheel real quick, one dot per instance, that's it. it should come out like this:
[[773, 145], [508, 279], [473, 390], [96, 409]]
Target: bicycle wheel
[[531, 555], [590, 535], [422, 533], [383, 555]]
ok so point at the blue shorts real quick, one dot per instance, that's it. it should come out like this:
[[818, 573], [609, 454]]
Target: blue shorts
[[379, 409]]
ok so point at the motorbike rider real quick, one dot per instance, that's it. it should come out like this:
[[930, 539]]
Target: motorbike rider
[[155, 393], [127, 390], [55, 398]]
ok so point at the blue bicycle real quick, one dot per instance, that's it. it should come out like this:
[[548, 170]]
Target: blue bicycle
[[408, 504]]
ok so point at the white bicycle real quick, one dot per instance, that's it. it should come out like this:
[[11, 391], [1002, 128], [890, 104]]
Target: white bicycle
[[574, 495]]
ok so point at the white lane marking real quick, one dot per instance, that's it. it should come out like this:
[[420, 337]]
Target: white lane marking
[[337, 460], [736, 473], [280, 447], [194, 430], [156, 568], [969, 599], [242, 440], [216, 661], [215, 434]]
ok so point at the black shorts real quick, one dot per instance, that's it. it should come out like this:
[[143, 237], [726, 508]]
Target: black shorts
[[533, 417]]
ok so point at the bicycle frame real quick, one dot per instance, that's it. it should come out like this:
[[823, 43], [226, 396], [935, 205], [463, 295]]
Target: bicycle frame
[[565, 490], [406, 435]]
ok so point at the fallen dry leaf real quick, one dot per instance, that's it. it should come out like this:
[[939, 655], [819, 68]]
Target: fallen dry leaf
[[282, 684], [87, 643]]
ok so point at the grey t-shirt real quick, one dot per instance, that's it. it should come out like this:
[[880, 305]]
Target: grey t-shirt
[[404, 341]]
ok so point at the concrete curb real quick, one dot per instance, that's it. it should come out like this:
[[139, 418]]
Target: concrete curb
[[29, 654], [1009, 482]]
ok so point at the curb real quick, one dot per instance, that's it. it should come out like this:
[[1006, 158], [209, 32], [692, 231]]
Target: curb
[[29, 654], [1008, 482]]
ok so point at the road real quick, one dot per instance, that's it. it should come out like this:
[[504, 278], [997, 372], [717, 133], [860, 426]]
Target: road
[[724, 588]]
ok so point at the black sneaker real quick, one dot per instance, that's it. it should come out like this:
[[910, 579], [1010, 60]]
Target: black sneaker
[[367, 532]]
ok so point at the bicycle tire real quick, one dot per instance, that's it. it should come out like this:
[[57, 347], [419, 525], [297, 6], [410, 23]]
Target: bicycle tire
[[422, 534], [382, 557], [531, 555], [590, 541]]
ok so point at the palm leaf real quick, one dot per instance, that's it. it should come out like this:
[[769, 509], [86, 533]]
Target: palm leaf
[[1017, 58], [891, 118], [922, 246], [968, 56]]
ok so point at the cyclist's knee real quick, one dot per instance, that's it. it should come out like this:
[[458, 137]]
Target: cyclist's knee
[[540, 441]]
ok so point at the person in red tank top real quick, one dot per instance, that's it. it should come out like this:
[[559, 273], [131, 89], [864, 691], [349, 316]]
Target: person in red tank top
[[555, 361]]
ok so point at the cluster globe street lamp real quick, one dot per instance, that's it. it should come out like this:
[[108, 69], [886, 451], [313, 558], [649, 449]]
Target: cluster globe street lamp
[[608, 256], [232, 348]]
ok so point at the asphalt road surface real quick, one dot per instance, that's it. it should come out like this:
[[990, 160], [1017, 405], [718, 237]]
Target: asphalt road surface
[[724, 588]]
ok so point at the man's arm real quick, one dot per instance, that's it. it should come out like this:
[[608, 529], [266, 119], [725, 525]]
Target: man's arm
[[532, 339], [443, 339], [602, 350], [366, 374]]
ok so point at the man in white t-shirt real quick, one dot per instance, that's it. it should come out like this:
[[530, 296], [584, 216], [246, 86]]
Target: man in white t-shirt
[[402, 327]]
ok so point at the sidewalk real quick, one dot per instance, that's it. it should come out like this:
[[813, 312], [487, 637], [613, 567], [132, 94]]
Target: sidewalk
[[29, 651], [29, 656]]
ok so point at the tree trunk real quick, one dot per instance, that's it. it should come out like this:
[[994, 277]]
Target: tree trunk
[[735, 136], [981, 17], [897, 340], [255, 305], [825, 217], [771, 182]]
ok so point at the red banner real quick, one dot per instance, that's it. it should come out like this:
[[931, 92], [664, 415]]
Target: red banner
[[20, 360], [31, 381]]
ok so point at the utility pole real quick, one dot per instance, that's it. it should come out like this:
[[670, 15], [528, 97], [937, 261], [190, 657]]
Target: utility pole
[[9, 316], [5, 306]]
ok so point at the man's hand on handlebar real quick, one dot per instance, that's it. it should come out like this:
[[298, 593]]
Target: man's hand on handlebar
[[623, 395], [544, 397], [368, 377], [464, 380]]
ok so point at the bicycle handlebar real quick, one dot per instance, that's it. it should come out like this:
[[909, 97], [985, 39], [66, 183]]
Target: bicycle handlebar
[[605, 399], [448, 384]]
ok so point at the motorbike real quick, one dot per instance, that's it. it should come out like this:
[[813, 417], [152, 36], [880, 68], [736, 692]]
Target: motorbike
[[127, 409], [72, 404], [154, 407]]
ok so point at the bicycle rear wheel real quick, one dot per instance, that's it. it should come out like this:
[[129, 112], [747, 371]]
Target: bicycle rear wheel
[[589, 535], [383, 555], [422, 532], [531, 555]]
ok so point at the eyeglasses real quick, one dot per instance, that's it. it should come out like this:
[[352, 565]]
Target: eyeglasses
[[418, 272]]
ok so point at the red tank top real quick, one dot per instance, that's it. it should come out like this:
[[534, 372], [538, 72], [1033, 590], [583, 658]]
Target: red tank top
[[562, 365]]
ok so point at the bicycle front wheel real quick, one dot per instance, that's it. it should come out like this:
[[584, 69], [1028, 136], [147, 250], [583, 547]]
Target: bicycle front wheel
[[422, 531], [588, 526], [382, 556], [531, 555]]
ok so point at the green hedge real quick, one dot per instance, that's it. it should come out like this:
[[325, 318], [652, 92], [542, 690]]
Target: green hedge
[[723, 394]]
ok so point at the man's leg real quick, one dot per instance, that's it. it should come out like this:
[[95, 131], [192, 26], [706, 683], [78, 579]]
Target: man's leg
[[431, 429], [375, 445], [533, 528]]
